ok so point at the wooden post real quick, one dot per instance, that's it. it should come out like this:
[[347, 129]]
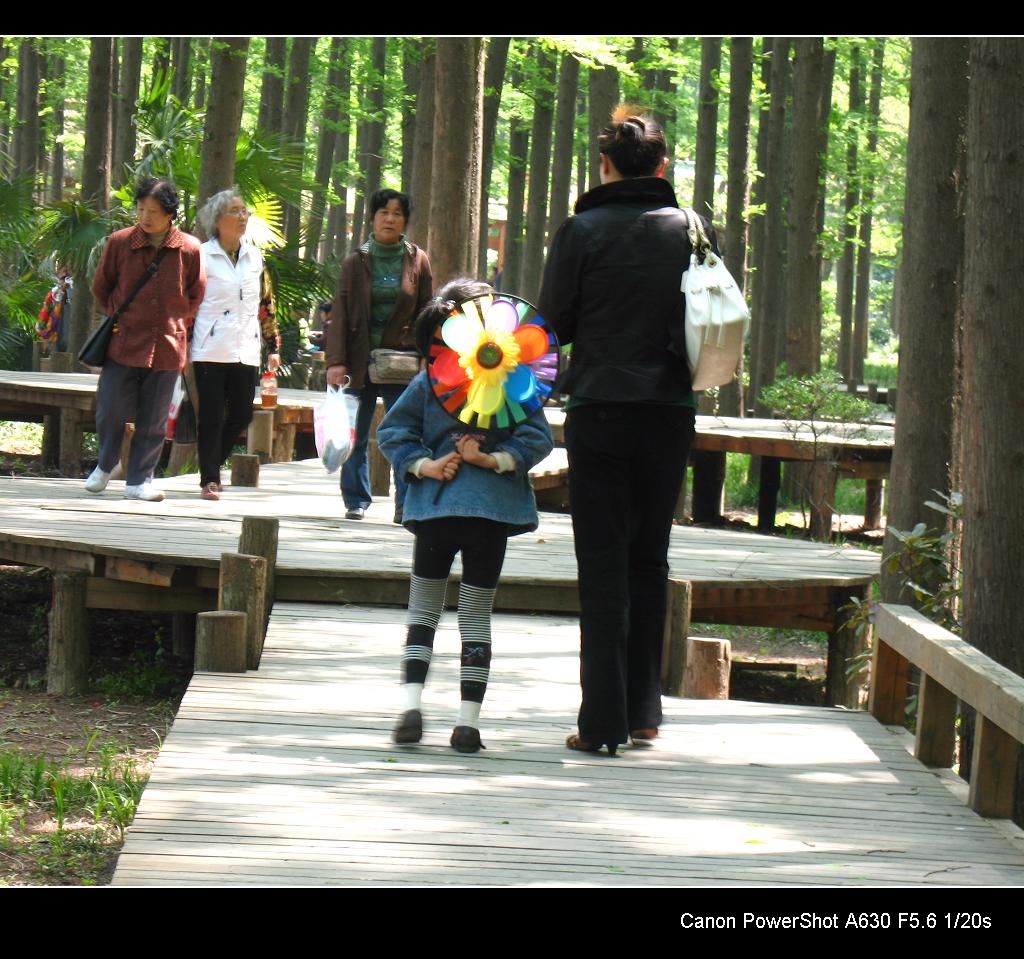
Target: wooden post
[[821, 482], [37, 355], [677, 627], [935, 742], [245, 470], [243, 588], [768, 493], [68, 664], [184, 459], [890, 398], [889, 674], [259, 538], [993, 770], [708, 662], [843, 645], [380, 468], [708, 486], [183, 636], [46, 364], [318, 379], [284, 437], [260, 440], [873, 503], [220, 642], [70, 429], [121, 470], [872, 392]]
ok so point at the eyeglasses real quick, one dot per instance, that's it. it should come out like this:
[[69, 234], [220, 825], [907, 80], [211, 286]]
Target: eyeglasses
[[242, 214]]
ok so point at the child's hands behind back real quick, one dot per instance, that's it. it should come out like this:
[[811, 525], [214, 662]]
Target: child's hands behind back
[[469, 448], [443, 469]]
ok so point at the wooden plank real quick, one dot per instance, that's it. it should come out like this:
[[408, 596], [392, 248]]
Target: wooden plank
[[993, 770], [936, 724], [102, 593], [130, 570]]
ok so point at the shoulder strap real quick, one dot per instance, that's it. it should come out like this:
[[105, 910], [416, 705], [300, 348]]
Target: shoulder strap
[[146, 277], [695, 229]]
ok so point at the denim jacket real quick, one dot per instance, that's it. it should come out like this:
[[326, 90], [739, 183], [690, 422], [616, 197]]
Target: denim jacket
[[418, 426]]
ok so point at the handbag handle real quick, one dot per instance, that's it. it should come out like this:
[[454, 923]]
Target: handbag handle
[[695, 230]]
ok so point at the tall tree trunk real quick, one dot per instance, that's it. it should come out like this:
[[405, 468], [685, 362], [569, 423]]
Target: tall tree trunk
[[540, 170], [803, 275], [337, 240], [202, 65], [494, 80], [57, 129], [359, 230], [844, 278], [5, 109], [518, 145], [755, 276], [423, 156], [125, 107], [862, 305], [741, 66], [707, 127], [582, 149], [325, 149], [296, 107], [27, 134], [603, 94], [930, 279], [454, 204], [162, 55], [993, 360], [565, 130], [223, 117], [271, 115], [411, 55], [772, 282], [181, 61], [374, 158], [95, 172]]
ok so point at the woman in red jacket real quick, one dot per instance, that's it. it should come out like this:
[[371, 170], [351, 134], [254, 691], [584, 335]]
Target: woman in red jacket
[[147, 350]]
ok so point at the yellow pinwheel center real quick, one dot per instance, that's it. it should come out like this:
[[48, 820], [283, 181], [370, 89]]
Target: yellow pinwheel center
[[496, 354]]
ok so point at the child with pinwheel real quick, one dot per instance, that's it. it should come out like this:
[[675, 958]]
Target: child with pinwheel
[[465, 434]]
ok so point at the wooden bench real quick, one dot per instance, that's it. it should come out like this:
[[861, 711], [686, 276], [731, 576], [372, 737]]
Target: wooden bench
[[951, 670]]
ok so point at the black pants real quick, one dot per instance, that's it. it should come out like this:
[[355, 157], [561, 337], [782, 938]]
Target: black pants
[[482, 543], [226, 392], [627, 462]]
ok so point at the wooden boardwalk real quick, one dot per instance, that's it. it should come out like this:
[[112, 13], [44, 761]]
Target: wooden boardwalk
[[287, 776]]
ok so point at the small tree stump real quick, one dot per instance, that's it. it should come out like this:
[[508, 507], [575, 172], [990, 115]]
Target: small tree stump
[[259, 538], [677, 626], [245, 470], [243, 588], [220, 642], [68, 664], [707, 668], [873, 491], [283, 444], [183, 459], [260, 439]]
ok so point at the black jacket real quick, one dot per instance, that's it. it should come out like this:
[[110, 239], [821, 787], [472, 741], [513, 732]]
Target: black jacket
[[612, 288]]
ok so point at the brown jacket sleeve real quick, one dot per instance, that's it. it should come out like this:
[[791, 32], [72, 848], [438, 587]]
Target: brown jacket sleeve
[[336, 340], [105, 279]]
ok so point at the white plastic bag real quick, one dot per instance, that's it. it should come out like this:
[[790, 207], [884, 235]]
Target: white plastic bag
[[334, 426]]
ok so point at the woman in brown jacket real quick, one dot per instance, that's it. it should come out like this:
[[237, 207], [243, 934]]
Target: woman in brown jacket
[[381, 290], [147, 350]]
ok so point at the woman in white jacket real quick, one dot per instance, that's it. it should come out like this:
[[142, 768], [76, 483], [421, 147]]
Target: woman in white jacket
[[234, 320]]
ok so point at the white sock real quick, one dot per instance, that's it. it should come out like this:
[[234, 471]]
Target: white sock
[[469, 714], [413, 695]]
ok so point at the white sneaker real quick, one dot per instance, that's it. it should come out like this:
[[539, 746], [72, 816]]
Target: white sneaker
[[97, 481], [145, 491]]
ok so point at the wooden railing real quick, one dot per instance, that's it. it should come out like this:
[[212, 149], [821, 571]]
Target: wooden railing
[[951, 670]]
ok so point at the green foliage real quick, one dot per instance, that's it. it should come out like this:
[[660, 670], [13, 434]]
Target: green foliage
[[819, 397]]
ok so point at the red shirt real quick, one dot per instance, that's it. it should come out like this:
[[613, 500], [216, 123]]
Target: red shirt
[[152, 331]]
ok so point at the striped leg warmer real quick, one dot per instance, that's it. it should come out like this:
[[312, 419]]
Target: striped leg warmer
[[426, 601], [475, 606]]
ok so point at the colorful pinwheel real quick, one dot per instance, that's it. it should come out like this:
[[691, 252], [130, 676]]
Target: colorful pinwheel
[[493, 361]]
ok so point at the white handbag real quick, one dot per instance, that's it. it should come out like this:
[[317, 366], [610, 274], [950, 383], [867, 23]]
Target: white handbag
[[717, 316]]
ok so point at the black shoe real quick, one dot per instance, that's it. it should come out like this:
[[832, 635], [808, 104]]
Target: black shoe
[[355, 513], [466, 739], [409, 728], [398, 517]]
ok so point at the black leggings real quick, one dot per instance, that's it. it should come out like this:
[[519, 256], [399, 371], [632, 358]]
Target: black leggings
[[482, 543]]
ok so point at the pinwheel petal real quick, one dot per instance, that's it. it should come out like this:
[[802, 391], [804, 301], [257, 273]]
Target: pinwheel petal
[[485, 396], [460, 333], [446, 369], [501, 316], [521, 384], [533, 343]]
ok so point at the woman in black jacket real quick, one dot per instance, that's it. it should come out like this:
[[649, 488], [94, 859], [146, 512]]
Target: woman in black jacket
[[612, 289]]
